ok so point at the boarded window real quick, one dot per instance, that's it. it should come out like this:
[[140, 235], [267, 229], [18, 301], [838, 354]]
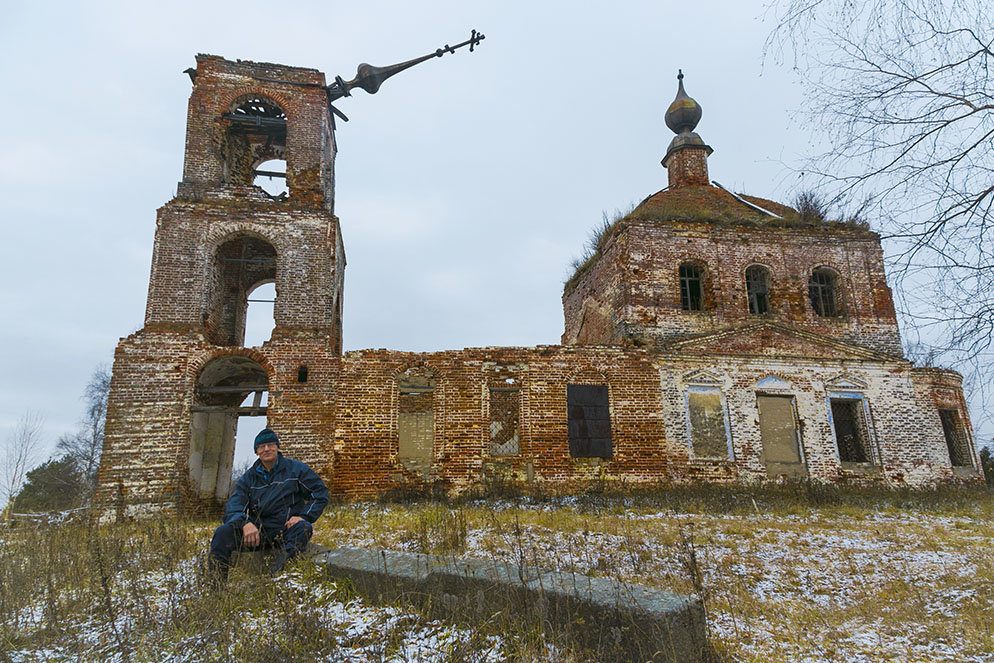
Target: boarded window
[[504, 420], [706, 419], [822, 290], [416, 423], [851, 433], [589, 421], [778, 432], [758, 289], [959, 452], [691, 287]]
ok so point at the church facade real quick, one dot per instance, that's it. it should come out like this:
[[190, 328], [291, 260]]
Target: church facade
[[713, 336]]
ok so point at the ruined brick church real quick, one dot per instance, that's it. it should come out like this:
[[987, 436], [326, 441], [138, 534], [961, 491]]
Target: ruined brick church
[[713, 336]]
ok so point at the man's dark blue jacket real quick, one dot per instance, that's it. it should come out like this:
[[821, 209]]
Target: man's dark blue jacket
[[269, 499]]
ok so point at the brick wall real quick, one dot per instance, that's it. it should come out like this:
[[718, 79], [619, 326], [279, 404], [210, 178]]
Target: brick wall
[[632, 292], [688, 166], [366, 436], [183, 287], [344, 419], [310, 150]]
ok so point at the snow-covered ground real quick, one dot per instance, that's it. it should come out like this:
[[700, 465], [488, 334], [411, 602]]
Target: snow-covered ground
[[352, 631], [827, 585], [833, 584]]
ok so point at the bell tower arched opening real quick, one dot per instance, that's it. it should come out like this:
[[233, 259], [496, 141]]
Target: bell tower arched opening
[[256, 132], [240, 266], [270, 176]]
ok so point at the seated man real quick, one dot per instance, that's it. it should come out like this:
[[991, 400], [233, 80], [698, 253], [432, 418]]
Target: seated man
[[273, 505]]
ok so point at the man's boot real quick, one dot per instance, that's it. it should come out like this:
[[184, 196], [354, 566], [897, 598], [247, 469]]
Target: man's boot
[[217, 573], [279, 561]]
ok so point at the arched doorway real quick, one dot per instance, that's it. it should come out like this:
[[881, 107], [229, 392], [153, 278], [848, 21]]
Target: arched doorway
[[222, 390]]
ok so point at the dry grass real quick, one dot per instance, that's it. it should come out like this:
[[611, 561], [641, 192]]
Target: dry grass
[[797, 573], [794, 573]]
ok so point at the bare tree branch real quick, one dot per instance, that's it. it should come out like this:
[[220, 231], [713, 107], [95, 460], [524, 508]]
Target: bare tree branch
[[904, 94], [85, 445], [21, 452]]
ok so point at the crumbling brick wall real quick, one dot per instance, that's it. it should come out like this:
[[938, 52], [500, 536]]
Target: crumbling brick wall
[[366, 440], [633, 290], [498, 413], [300, 92]]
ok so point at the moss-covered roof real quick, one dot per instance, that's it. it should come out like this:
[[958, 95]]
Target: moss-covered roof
[[710, 203], [703, 203]]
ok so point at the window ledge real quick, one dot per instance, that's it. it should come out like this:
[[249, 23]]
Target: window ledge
[[964, 471], [861, 468], [589, 460]]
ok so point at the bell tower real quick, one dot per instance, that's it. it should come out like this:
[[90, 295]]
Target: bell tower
[[181, 383], [223, 234]]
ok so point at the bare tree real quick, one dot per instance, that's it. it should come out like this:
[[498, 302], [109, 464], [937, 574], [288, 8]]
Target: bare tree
[[21, 452], [85, 445], [903, 93]]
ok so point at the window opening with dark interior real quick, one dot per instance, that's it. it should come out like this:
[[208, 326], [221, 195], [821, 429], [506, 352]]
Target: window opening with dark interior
[[242, 265], [959, 452], [588, 420], [691, 287], [256, 135], [823, 292], [851, 433], [758, 289]]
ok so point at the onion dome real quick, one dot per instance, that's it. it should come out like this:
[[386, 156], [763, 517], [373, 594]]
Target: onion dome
[[684, 113], [686, 156]]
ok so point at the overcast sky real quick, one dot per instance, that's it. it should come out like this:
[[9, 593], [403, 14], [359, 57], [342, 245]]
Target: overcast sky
[[464, 186]]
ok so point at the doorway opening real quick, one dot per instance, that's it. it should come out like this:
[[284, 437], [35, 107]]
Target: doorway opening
[[229, 389]]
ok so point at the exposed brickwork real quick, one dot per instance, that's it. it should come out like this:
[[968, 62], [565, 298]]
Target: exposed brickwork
[[632, 293], [220, 84], [185, 285], [366, 440], [688, 167], [498, 412]]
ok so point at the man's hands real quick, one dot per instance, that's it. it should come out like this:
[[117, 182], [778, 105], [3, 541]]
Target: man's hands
[[250, 535]]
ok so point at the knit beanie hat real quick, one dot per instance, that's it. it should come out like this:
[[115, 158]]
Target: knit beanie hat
[[264, 437]]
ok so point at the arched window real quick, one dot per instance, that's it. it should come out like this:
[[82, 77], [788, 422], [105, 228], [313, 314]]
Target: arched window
[[259, 314], [823, 291], [256, 133], [758, 289], [270, 176], [240, 265], [691, 287]]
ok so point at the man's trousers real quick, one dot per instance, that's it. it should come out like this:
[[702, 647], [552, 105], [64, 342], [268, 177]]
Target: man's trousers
[[290, 541]]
